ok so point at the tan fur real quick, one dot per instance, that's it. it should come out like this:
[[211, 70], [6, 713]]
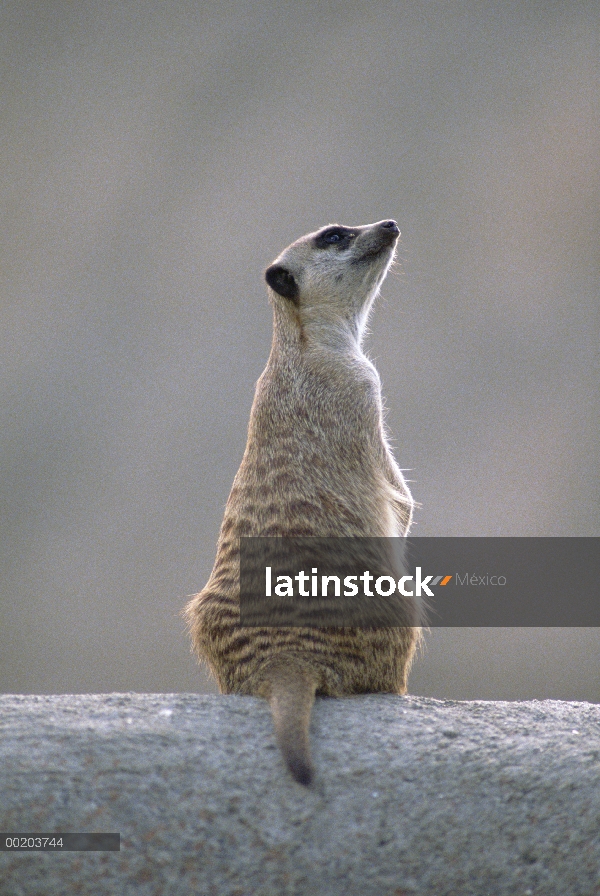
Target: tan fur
[[317, 463]]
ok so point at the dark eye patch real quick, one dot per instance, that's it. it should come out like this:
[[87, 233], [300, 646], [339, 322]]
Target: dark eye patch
[[339, 237]]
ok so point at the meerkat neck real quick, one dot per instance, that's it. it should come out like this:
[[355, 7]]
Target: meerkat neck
[[293, 333]]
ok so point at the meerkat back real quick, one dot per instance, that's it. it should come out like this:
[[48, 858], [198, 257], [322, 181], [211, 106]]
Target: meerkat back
[[317, 463]]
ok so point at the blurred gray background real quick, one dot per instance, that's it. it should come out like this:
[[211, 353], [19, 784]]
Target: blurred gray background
[[155, 157]]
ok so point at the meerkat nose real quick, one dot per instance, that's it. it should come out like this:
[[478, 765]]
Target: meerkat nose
[[390, 225]]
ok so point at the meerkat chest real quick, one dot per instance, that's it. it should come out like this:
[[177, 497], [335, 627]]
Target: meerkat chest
[[333, 405], [316, 443]]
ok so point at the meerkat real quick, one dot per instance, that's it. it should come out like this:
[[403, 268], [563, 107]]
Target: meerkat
[[317, 463]]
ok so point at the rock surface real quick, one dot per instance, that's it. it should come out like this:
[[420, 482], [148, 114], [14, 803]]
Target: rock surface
[[412, 796]]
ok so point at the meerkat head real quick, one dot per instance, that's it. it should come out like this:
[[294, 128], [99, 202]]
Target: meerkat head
[[330, 278]]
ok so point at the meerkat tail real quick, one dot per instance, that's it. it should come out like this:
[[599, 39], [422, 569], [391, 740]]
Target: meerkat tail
[[290, 691]]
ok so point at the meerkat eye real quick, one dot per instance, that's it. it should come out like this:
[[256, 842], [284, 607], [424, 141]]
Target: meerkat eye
[[336, 236]]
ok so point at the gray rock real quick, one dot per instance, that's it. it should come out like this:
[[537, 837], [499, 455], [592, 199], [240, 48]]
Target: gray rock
[[412, 796]]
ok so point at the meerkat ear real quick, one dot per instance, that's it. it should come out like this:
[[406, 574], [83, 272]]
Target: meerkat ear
[[282, 282]]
